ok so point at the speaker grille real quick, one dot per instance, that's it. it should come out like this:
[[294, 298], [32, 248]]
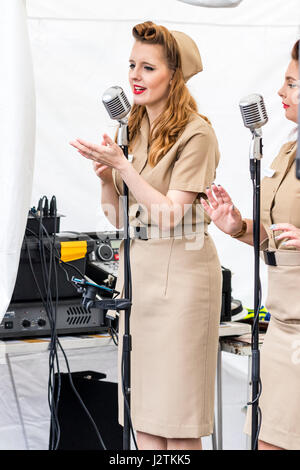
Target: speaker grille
[[78, 315]]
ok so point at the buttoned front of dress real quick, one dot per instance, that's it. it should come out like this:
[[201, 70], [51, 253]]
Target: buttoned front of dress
[[281, 194]]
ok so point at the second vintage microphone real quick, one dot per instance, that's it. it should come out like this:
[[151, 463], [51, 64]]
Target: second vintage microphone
[[255, 116]]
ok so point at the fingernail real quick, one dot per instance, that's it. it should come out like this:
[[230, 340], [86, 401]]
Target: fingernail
[[272, 226], [284, 243]]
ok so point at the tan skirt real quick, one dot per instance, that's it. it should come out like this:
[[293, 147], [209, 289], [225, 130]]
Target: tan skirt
[[280, 362], [174, 325]]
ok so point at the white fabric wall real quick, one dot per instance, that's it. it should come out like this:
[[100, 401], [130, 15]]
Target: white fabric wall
[[81, 48], [17, 136]]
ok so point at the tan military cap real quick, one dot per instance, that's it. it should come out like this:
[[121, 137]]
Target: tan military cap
[[190, 56]]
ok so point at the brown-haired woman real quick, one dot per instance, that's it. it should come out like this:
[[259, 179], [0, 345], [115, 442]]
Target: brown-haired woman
[[176, 279], [280, 363]]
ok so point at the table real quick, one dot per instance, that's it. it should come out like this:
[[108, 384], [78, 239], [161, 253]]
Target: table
[[241, 346]]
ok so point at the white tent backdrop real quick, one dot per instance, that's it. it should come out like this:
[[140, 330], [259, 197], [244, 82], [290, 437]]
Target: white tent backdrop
[[17, 134], [81, 48]]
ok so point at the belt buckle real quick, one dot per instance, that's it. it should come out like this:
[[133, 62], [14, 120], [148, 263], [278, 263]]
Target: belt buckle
[[270, 258], [140, 233]]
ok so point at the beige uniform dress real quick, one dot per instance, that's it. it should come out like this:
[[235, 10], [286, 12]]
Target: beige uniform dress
[[176, 298], [280, 354]]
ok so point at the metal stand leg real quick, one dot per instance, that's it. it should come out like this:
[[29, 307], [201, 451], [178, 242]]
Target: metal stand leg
[[214, 437], [17, 401], [219, 394], [248, 438]]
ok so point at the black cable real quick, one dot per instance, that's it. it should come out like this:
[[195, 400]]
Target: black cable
[[57, 256], [127, 405], [53, 356], [56, 341], [114, 335], [52, 316], [259, 417], [54, 419], [57, 253]]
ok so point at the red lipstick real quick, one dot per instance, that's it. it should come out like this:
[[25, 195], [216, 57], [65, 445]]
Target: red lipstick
[[137, 90]]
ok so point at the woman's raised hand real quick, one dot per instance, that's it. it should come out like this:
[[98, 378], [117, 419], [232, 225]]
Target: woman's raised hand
[[221, 210], [106, 156]]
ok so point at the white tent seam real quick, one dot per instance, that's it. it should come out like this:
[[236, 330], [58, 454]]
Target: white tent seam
[[162, 21]]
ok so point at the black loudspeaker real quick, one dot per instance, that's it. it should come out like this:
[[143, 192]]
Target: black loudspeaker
[[101, 399], [226, 295]]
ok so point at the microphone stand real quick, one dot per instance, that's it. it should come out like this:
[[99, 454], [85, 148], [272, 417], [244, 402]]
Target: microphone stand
[[255, 171], [89, 291], [122, 140]]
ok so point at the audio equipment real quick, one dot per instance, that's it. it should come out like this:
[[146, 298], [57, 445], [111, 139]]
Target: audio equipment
[[103, 261], [29, 319], [26, 315], [101, 399], [70, 246], [226, 296]]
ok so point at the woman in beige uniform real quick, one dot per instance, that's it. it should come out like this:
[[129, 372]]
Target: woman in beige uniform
[[280, 235], [176, 278]]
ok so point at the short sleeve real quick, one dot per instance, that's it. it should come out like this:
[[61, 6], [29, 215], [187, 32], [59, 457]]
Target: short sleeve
[[196, 163], [114, 177]]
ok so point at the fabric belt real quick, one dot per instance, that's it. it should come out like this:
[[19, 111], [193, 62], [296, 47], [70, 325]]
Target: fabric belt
[[279, 257], [148, 232]]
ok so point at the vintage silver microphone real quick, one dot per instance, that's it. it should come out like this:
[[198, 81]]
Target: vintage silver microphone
[[253, 111], [255, 116], [118, 107]]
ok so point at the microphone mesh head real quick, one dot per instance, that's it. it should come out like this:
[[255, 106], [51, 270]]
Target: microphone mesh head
[[253, 111], [116, 102]]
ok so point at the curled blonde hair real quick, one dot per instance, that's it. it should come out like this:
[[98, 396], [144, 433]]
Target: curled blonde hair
[[180, 105]]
